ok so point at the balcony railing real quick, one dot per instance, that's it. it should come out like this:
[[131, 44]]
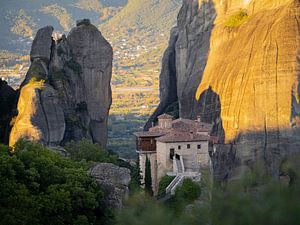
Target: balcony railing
[[140, 151]]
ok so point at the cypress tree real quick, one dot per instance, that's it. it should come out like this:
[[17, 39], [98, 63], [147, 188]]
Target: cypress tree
[[148, 178], [136, 177], [137, 172]]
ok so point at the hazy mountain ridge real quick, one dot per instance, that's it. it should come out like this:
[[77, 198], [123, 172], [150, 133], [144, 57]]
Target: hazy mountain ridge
[[35, 14], [146, 15]]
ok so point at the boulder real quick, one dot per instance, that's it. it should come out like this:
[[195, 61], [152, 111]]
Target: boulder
[[115, 180]]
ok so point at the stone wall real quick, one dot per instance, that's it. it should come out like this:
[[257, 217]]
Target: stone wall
[[153, 162]]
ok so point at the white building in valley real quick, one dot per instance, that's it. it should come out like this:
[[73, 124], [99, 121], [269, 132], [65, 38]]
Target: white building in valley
[[177, 148]]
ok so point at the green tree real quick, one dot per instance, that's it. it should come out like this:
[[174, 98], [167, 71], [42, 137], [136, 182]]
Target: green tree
[[163, 184], [148, 178], [135, 177], [38, 186], [86, 150], [186, 194]]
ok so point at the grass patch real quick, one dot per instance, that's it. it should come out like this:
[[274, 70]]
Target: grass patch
[[237, 19], [39, 84], [36, 71]]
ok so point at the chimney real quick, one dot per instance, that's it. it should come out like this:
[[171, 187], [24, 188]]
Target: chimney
[[165, 121], [199, 118]]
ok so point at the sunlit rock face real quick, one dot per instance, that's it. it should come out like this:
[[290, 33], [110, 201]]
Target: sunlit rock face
[[40, 117], [254, 70], [66, 94], [242, 77]]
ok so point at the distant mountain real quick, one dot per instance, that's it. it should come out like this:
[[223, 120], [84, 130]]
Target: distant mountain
[[21, 19], [150, 14]]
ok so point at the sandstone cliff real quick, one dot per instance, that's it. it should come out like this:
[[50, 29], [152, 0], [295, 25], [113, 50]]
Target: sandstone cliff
[[238, 66], [66, 94]]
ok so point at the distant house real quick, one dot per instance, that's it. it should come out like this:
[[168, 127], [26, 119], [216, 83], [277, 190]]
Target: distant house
[[178, 148]]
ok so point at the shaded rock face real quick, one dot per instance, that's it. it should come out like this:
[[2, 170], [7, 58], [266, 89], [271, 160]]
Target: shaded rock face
[[8, 105], [115, 181], [66, 94], [184, 61], [41, 46], [168, 86], [252, 69]]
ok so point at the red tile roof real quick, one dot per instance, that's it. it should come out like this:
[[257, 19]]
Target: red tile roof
[[149, 134], [176, 136], [165, 116], [183, 130], [191, 125]]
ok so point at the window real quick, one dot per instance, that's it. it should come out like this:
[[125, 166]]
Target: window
[[188, 146], [172, 153], [179, 146], [199, 146]]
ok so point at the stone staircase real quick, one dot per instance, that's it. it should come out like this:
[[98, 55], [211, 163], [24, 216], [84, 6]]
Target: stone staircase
[[171, 189], [180, 166], [183, 169]]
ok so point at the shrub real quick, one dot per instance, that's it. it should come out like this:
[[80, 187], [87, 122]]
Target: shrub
[[163, 184], [36, 71], [185, 195], [141, 209], [39, 84], [237, 19], [86, 150], [264, 202], [189, 190]]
